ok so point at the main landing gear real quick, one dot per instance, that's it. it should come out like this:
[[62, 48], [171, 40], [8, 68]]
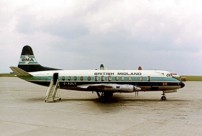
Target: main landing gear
[[163, 98], [104, 96]]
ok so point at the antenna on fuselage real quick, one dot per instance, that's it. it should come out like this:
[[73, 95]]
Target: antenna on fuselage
[[102, 67], [139, 68], [136, 92]]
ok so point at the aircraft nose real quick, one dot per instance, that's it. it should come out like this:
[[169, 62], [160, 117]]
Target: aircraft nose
[[182, 84]]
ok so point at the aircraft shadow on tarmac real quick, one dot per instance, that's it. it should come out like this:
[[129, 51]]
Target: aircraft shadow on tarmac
[[115, 99], [120, 100]]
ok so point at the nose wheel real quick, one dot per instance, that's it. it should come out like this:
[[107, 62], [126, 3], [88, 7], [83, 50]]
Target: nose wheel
[[163, 98]]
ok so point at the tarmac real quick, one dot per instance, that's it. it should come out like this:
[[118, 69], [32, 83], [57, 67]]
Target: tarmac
[[23, 112]]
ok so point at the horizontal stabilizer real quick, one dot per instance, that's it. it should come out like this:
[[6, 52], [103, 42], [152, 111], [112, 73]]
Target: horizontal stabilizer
[[19, 72]]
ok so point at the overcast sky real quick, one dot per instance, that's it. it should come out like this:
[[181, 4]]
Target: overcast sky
[[121, 34]]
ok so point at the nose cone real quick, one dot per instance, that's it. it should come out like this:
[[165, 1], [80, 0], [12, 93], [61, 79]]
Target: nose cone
[[182, 84]]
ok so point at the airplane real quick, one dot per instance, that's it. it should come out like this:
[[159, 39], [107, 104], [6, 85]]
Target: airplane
[[104, 82]]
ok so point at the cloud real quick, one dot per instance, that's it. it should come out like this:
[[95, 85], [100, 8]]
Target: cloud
[[122, 34]]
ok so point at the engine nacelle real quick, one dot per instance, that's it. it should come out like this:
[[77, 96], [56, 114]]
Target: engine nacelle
[[124, 88]]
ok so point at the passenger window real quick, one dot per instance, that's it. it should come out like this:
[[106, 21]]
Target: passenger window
[[96, 78], [69, 78], [102, 78], [141, 78], [89, 78], [129, 78], [149, 78], [75, 78], [81, 78], [109, 78], [117, 78]]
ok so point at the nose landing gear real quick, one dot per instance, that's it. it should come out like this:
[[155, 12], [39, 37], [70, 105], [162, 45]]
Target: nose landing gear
[[163, 98]]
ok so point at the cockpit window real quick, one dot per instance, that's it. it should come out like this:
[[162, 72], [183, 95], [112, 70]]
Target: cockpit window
[[169, 75]]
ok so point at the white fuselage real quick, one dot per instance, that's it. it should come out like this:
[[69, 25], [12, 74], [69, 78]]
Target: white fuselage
[[110, 80]]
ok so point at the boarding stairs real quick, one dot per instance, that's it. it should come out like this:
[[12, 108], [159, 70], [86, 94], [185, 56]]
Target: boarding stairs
[[52, 93]]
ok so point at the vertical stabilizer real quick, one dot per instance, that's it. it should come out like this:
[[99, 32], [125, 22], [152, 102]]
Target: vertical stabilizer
[[28, 61], [27, 57]]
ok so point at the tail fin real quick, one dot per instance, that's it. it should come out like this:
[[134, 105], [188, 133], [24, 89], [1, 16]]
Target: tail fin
[[28, 61]]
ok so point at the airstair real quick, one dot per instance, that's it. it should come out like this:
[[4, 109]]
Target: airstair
[[52, 93]]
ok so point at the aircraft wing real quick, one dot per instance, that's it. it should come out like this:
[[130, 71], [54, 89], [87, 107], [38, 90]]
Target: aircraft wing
[[19, 72], [110, 87]]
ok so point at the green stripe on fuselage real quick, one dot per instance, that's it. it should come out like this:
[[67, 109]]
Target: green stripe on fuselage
[[103, 79]]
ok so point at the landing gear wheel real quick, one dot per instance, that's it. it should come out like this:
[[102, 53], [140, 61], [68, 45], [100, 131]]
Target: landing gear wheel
[[163, 98], [103, 99], [104, 96]]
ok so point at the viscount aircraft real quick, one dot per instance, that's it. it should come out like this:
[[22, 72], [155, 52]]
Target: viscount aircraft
[[104, 82]]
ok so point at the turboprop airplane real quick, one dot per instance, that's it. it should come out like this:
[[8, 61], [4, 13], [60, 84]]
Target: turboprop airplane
[[104, 82]]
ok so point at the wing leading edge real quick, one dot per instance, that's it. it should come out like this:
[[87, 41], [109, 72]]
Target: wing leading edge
[[110, 87]]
